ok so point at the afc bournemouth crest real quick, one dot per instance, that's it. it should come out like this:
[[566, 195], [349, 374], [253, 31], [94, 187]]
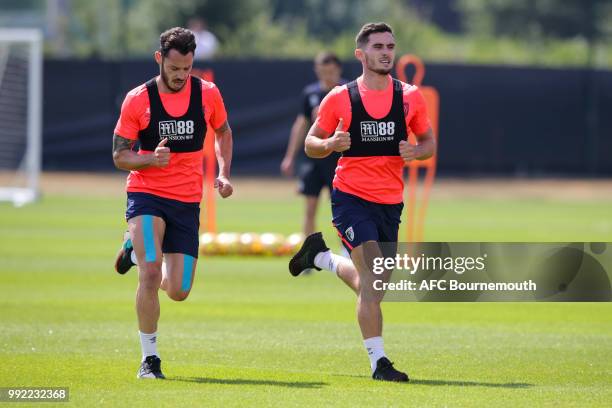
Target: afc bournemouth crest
[[349, 233]]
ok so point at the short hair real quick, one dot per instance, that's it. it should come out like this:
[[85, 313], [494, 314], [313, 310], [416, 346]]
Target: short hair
[[177, 38], [363, 36], [327, 57]]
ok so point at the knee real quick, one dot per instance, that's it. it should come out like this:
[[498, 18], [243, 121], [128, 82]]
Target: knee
[[370, 298], [177, 295], [151, 275]]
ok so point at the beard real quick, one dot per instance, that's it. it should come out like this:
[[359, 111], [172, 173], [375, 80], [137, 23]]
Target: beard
[[371, 65], [168, 83], [382, 71]]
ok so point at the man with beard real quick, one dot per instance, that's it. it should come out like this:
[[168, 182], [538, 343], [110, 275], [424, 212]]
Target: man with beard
[[367, 120], [168, 116]]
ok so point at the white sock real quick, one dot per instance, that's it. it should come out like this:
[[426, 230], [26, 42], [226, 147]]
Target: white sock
[[375, 349], [148, 343], [327, 260], [133, 257], [344, 252]]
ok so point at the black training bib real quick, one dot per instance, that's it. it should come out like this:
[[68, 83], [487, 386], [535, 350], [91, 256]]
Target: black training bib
[[185, 133], [376, 137]]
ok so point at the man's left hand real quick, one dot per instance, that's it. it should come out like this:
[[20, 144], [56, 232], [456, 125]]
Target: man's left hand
[[408, 151], [224, 186]]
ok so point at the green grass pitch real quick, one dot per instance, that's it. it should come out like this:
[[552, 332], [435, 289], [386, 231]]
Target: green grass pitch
[[251, 335]]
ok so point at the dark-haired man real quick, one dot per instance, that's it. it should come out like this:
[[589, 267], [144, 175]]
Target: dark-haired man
[[367, 120], [313, 174], [168, 116]]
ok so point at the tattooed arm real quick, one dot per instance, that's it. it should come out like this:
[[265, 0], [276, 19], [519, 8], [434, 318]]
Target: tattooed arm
[[127, 159]]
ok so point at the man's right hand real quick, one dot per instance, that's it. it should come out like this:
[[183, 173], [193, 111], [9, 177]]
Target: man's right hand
[[161, 155], [340, 141]]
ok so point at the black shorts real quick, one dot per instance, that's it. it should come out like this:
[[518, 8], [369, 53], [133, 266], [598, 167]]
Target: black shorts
[[182, 220], [313, 175], [358, 220]]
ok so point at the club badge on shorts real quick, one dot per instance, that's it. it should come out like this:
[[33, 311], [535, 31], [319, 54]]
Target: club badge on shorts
[[350, 234]]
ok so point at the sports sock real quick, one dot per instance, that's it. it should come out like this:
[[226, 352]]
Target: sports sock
[[148, 343], [375, 349], [133, 258], [327, 260], [344, 252]]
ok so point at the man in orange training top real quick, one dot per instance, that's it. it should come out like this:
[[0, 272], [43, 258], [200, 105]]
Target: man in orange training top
[[169, 116], [367, 120]]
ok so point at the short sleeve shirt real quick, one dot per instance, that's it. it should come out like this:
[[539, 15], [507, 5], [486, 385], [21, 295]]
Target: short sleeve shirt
[[182, 179], [377, 178]]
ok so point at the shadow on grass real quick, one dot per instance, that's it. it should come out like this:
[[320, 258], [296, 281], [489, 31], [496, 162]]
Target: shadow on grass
[[469, 383], [242, 381], [450, 383]]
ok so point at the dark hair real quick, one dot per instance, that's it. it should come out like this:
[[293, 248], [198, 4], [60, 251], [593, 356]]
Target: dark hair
[[363, 36], [177, 38], [327, 57]]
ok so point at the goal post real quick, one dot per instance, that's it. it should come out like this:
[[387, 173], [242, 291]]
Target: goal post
[[20, 114]]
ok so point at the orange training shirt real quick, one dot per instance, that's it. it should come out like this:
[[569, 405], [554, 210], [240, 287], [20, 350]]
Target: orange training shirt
[[377, 179], [182, 179]]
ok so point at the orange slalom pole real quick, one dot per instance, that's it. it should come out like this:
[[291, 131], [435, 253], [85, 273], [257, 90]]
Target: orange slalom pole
[[430, 175], [416, 218], [432, 100], [208, 214], [413, 177], [210, 171]]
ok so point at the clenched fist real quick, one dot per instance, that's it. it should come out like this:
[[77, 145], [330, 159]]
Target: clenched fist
[[224, 186], [408, 151]]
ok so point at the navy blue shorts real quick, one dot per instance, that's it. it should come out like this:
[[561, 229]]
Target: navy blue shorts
[[358, 220], [314, 174], [182, 220]]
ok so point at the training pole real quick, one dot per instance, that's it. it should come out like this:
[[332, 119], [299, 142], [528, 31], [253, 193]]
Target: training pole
[[415, 213]]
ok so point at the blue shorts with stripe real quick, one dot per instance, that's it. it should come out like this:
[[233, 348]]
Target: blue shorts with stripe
[[182, 220], [358, 220]]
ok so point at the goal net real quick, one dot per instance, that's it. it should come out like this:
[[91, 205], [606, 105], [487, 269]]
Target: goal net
[[20, 114]]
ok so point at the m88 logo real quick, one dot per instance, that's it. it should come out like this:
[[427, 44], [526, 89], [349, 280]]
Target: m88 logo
[[371, 128], [175, 128]]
